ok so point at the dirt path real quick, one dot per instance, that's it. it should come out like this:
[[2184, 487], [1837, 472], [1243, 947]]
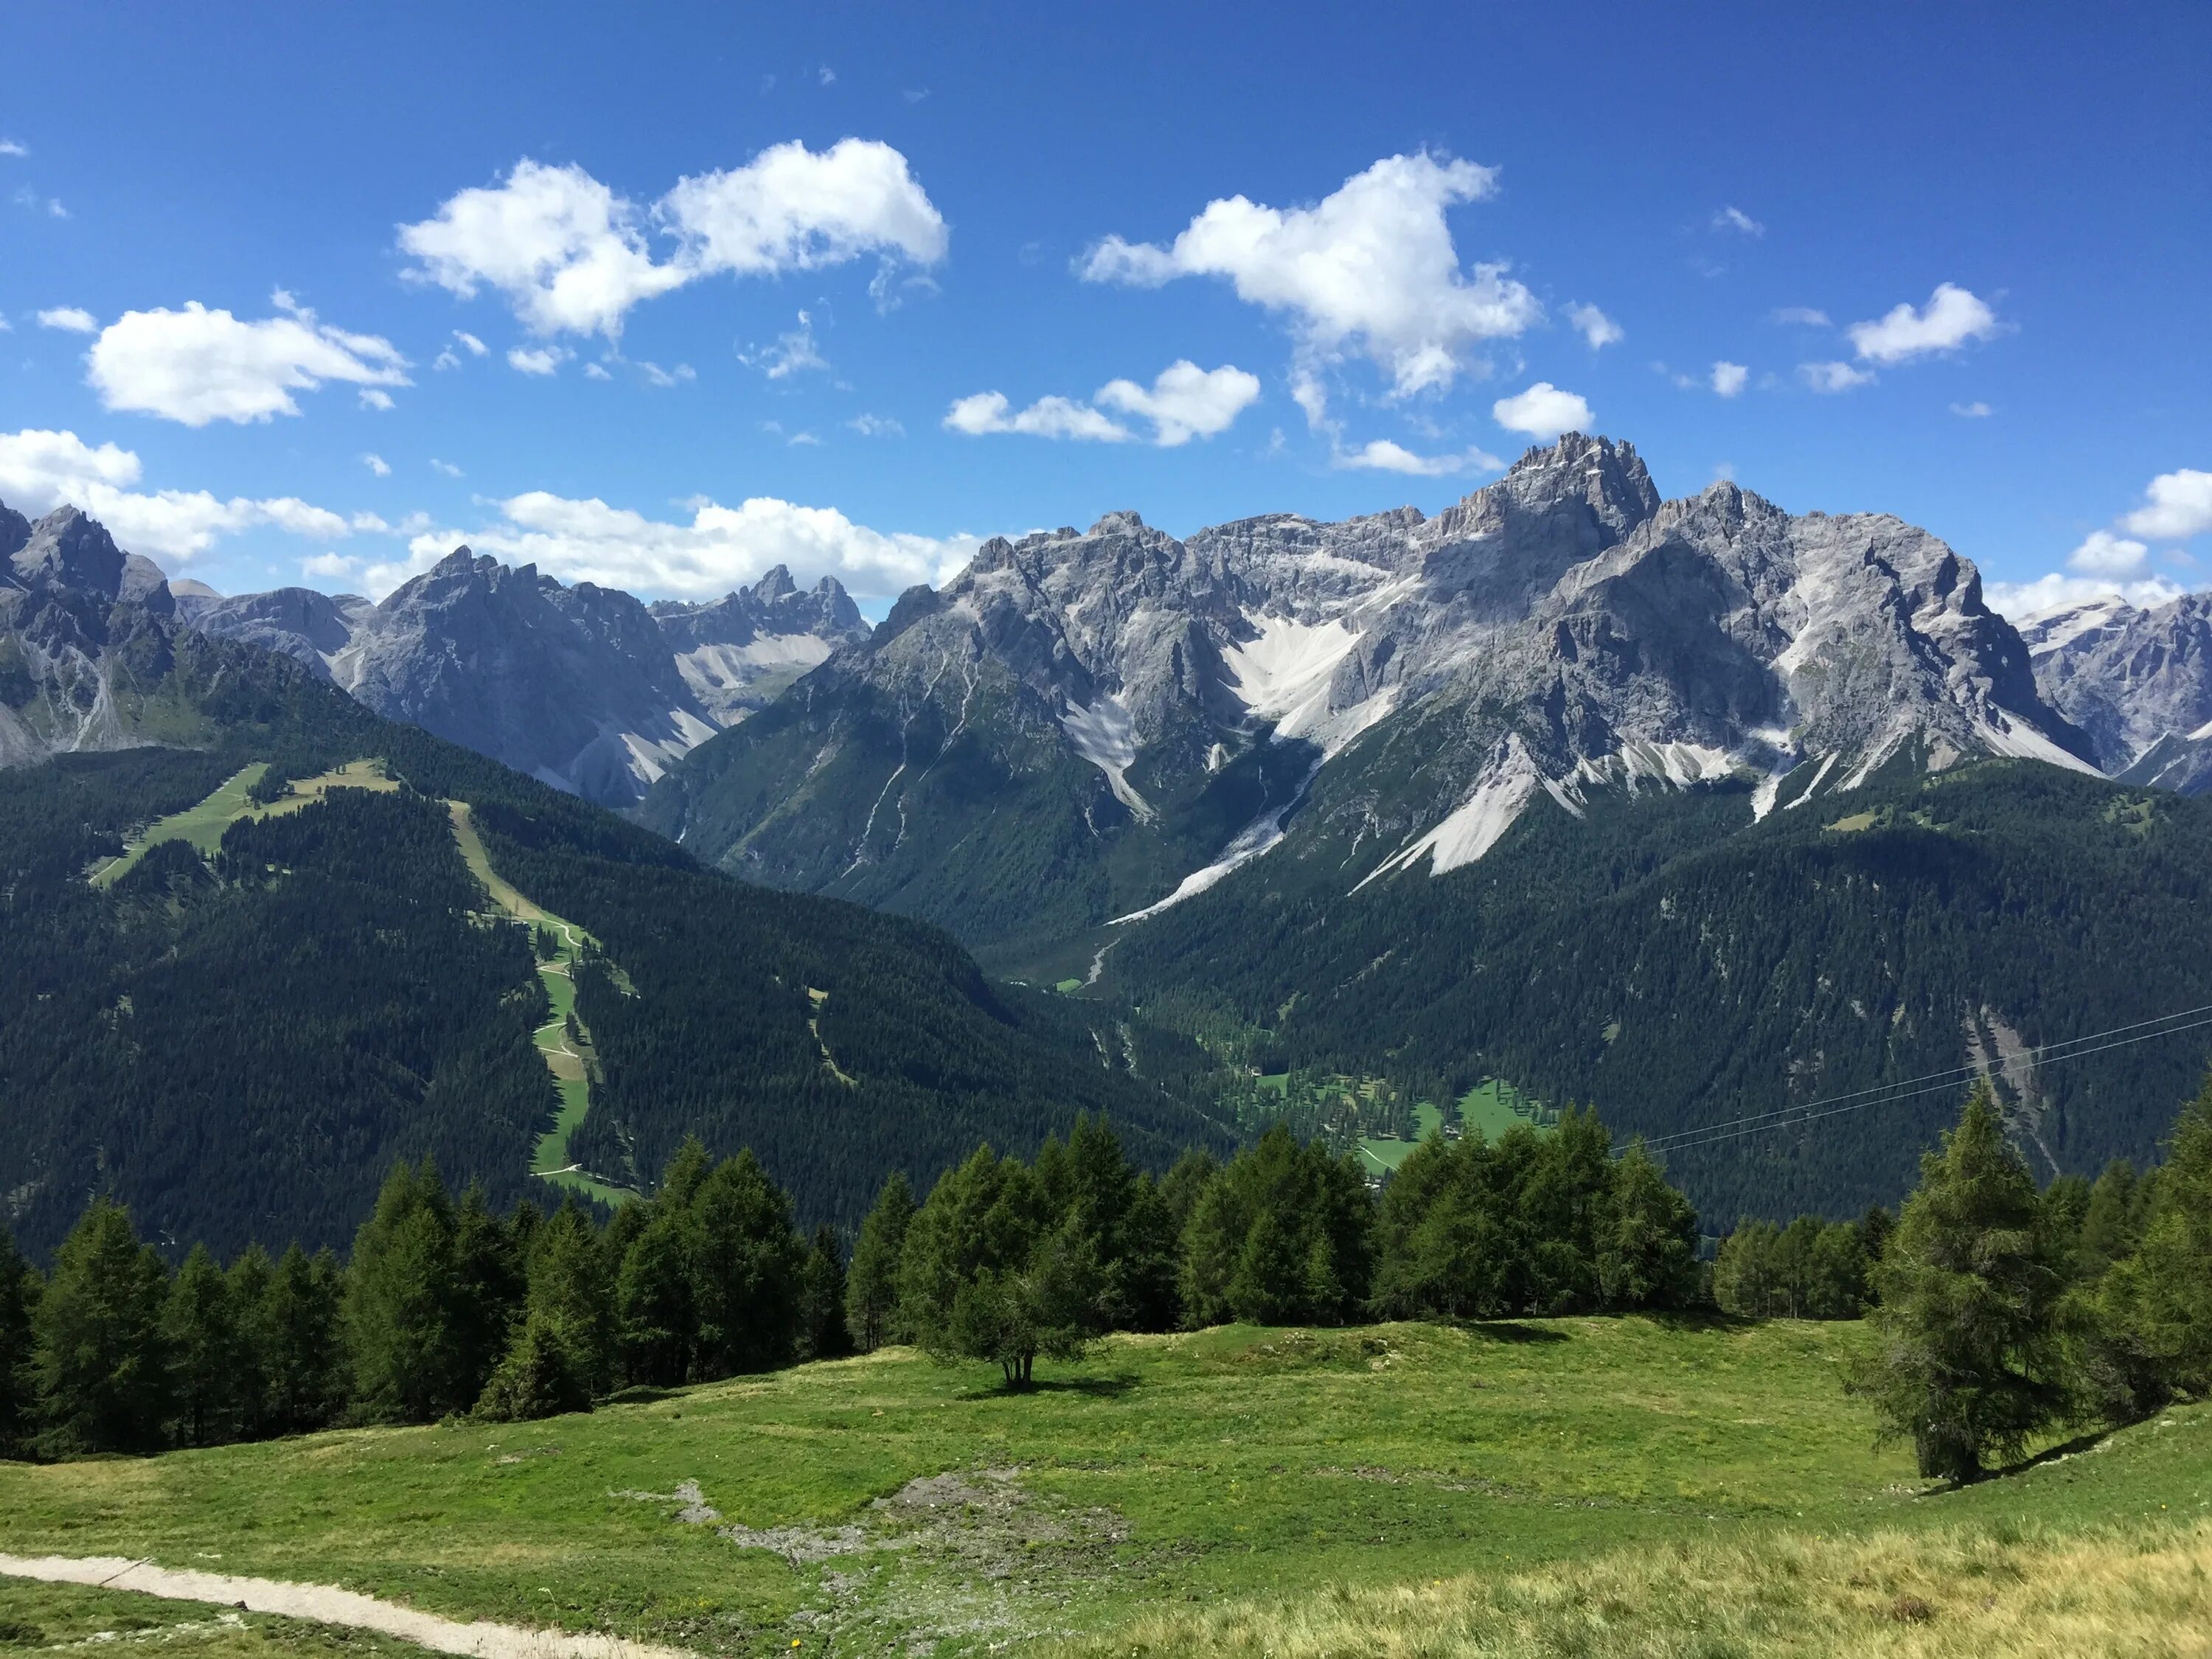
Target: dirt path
[[330, 1606]]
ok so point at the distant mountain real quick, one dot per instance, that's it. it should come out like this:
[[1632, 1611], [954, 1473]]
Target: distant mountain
[[583, 687], [239, 1034], [2138, 682], [1082, 728]]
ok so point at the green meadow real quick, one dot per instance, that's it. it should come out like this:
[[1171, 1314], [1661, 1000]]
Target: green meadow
[[894, 1504]]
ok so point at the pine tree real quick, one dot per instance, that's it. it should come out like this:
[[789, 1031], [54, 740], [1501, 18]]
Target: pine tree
[[747, 1266], [536, 1378], [572, 1294], [822, 1300], [2157, 1303], [871, 1314], [204, 1349], [19, 1288], [489, 1285], [1648, 1255], [402, 1293], [99, 1362], [654, 1302], [248, 1283], [1969, 1364], [305, 1357]]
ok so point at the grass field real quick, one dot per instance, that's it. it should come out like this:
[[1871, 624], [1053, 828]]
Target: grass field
[[568, 1059], [1490, 1105], [1389, 1154], [203, 824], [894, 1504]]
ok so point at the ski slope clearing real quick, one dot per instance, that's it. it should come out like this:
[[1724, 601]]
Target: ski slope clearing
[[203, 824]]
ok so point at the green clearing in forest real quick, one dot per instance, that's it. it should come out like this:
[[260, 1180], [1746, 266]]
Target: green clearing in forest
[[567, 1053], [203, 825], [1379, 1154], [1495, 1105], [1189, 1471]]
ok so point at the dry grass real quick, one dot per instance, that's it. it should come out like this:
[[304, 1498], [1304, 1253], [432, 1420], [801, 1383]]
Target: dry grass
[[1953, 1594]]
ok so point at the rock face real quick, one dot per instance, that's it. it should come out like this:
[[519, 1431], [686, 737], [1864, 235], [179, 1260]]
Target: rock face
[[1152, 713], [582, 687], [85, 642], [2138, 682]]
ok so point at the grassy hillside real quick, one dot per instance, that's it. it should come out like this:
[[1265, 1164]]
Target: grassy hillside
[[1182, 1493]]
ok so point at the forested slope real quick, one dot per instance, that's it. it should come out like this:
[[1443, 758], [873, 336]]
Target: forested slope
[[1676, 967], [241, 1046]]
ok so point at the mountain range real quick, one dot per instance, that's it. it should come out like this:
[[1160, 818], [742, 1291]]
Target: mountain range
[[2136, 681], [582, 687]]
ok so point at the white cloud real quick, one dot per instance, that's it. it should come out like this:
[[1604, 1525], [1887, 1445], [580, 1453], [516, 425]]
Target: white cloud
[[1370, 269], [2104, 554], [1735, 218], [41, 469], [71, 319], [804, 441], [656, 375], [720, 548], [1380, 455], [985, 413], [330, 567], [877, 426], [56, 210], [1977, 411], [2019, 599], [538, 360], [446, 468], [376, 398], [1803, 316], [828, 76], [377, 464], [1728, 378], [13, 147], [1833, 376], [794, 353], [469, 344], [1594, 326], [571, 256], [597, 372], [1185, 401], [2180, 506], [1952, 317], [195, 366], [1543, 411]]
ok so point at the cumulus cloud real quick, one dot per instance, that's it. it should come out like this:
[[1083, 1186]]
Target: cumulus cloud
[[2104, 554], [1833, 377], [877, 426], [1596, 328], [377, 464], [14, 146], [1951, 318], [1803, 316], [2180, 506], [1735, 218], [71, 319], [40, 469], [793, 353], [2047, 592], [1185, 401], [1370, 270], [445, 468], [330, 567], [654, 374], [1729, 378], [720, 547], [449, 358], [597, 372], [986, 412], [538, 360], [1543, 411], [572, 256], [195, 366], [1977, 411], [1380, 455]]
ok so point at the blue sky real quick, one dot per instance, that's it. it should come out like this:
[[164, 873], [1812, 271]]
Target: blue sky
[[851, 287]]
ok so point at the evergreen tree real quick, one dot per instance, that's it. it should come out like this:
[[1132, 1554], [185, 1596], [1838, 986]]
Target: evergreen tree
[[248, 1284], [822, 1300], [1180, 1186], [18, 1295], [1283, 1235], [536, 1378], [747, 1264], [402, 1294], [306, 1362], [1874, 1229], [1746, 1279], [872, 1313], [2157, 1303], [572, 1294], [1648, 1255], [654, 1301], [2112, 1223], [489, 1287], [1969, 1364], [99, 1362], [205, 1351]]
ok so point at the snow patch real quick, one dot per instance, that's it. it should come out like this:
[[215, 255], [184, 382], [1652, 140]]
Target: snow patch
[[1106, 736]]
